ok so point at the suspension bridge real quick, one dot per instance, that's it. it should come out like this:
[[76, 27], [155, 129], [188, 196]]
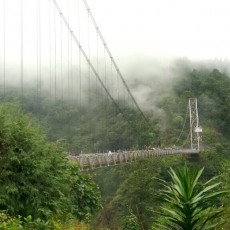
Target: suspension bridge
[[99, 160], [55, 50]]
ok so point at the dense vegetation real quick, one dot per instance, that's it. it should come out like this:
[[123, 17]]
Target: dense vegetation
[[38, 182], [133, 187], [91, 129], [190, 206]]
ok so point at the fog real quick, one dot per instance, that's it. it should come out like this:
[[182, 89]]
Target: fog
[[149, 42]]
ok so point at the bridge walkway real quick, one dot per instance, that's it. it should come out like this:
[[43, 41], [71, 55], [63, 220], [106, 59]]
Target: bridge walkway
[[98, 160]]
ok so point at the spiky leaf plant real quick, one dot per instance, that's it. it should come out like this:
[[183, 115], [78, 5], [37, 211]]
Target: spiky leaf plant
[[189, 206]]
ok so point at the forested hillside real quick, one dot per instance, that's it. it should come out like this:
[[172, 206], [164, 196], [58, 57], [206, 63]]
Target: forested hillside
[[36, 162], [97, 127], [133, 187]]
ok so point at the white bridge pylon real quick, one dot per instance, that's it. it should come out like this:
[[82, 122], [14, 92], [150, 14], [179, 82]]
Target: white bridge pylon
[[195, 129], [98, 160]]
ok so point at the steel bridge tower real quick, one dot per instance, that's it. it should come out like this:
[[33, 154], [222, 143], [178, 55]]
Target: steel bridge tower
[[195, 129]]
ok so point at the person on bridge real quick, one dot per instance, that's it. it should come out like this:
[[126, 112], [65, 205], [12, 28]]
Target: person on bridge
[[110, 153]]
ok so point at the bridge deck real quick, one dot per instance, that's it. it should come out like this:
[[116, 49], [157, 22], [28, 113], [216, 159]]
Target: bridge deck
[[97, 160]]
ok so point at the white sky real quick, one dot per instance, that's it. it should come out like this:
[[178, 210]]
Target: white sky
[[166, 28], [171, 28], [136, 31], [141, 35]]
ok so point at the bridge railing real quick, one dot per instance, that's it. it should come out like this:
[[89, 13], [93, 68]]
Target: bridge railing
[[96, 160]]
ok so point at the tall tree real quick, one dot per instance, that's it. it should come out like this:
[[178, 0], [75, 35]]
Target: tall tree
[[36, 177]]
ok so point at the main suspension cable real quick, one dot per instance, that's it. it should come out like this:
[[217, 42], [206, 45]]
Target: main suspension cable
[[112, 59], [84, 54]]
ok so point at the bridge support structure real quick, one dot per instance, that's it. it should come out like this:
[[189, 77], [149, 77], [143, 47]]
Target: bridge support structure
[[98, 160], [195, 129]]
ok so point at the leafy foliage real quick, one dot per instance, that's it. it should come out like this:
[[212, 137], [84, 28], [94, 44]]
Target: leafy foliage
[[36, 177], [190, 206], [100, 127], [85, 195], [31, 168], [130, 222], [8, 223], [18, 223], [122, 187], [132, 187]]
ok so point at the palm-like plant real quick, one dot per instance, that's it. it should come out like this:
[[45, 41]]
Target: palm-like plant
[[190, 206]]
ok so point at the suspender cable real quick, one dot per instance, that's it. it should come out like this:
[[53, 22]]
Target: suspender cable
[[85, 55], [107, 105], [89, 92], [80, 77], [111, 76], [105, 67], [105, 71], [182, 130], [114, 63], [105, 79], [118, 95], [68, 54], [50, 56], [4, 49], [38, 49], [186, 140], [82, 52], [61, 74], [97, 89], [91, 123], [21, 49], [55, 59], [40, 52], [71, 68], [79, 55]]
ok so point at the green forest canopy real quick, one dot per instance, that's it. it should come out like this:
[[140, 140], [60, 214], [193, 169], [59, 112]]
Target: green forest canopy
[[28, 153]]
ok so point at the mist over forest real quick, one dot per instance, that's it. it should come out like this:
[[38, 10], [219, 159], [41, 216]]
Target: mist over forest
[[155, 86], [64, 95], [98, 124]]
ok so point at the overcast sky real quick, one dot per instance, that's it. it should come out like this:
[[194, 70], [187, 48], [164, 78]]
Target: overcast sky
[[141, 34], [164, 28], [168, 28]]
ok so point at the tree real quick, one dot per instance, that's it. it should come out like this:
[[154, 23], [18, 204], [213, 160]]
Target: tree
[[190, 206], [36, 178], [85, 194], [130, 222]]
